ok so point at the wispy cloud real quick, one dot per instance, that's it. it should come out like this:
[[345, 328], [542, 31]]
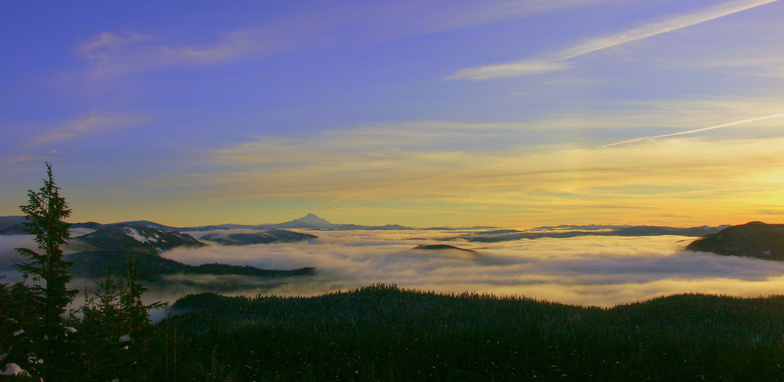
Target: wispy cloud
[[16, 159], [40, 142], [695, 131], [422, 17], [558, 60], [91, 123], [556, 181], [114, 54]]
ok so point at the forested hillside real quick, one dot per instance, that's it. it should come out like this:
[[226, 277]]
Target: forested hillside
[[383, 333]]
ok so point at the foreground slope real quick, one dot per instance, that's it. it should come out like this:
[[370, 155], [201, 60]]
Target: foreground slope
[[385, 333]]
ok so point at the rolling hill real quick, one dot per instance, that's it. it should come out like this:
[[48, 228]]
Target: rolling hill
[[755, 239]]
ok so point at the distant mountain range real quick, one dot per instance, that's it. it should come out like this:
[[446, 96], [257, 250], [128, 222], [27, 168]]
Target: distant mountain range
[[100, 249], [134, 239], [133, 234], [269, 233], [108, 249], [12, 225], [565, 231], [310, 221]]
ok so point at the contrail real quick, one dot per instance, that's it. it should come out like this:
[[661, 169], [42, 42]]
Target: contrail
[[695, 131], [558, 60]]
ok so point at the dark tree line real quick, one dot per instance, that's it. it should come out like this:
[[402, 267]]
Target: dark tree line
[[384, 333]]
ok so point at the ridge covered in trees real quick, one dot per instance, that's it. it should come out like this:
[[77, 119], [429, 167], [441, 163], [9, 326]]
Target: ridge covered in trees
[[385, 333]]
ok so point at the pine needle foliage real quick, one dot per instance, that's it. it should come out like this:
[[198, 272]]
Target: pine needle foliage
[[113, 329], [46, 268], [46, 274]]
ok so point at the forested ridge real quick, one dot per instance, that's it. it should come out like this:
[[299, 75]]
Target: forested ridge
[[384, 333], [94, 264]]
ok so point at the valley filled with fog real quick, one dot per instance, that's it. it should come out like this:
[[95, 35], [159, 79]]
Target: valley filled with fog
[[586, 270], [583, 270]]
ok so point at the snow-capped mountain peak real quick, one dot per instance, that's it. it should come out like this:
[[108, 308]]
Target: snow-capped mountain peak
[[314, 221]]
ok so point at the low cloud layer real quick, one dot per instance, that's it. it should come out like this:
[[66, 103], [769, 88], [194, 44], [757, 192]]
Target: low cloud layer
[[601, 271], [8, 254]]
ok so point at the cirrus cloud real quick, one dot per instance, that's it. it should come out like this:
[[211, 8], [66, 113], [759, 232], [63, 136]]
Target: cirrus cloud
[[556, 61]]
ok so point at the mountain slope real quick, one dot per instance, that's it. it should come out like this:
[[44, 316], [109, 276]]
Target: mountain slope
[[108, 249], [574, 231], [311, 221], [265, 236], [111, 247], [754, 239], [12, 225], [441, 247], [136, 239], [146, 224], [153, 268]]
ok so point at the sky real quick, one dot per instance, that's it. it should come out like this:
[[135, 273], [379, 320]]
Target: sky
[[415, 112]]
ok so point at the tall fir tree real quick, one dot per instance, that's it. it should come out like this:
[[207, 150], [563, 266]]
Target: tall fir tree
[[46, 273]]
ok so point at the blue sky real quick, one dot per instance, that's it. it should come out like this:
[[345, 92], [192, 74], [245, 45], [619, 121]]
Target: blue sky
[[514, 113]]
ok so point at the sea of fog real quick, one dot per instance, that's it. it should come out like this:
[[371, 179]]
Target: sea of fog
[[587, 270]]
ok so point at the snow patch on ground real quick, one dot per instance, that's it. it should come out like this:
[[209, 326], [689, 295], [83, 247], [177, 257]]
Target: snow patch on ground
[[13, 369], [132, 232]]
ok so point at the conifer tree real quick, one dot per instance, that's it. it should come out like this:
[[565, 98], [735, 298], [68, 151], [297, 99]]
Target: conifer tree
[[46, 273], [114, 319], [7, 323], [100, 329], [135, 312]]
